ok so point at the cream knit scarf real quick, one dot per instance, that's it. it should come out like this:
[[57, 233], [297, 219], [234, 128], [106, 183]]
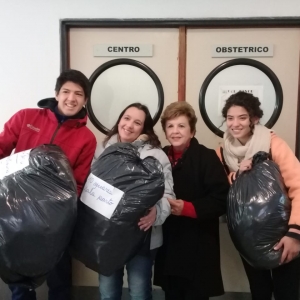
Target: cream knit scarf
[[234, 152]]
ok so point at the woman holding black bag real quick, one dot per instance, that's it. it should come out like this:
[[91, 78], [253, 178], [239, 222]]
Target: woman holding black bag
[[135, 124], [243, 138]]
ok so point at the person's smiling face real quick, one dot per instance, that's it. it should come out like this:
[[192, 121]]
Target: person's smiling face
[[238, 123], [178, 132], [131, 125], [70, 98]]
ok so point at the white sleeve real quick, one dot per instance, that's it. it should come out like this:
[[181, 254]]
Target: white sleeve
[[98, 151], [163, 209]]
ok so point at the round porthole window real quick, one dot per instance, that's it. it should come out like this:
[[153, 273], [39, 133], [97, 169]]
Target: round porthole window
[[118, 83], [235, 75]]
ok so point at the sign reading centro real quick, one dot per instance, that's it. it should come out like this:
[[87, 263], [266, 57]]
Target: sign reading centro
[[242, 50], [123, 50]]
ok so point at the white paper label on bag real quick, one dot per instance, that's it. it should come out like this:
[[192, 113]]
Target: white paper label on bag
[[14, 163], [101, 196]]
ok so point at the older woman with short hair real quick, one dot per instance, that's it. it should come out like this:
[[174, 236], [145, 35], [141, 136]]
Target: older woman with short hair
[[188, 264]]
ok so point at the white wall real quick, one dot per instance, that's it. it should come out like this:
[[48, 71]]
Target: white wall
[[30, 41], [29, 35]]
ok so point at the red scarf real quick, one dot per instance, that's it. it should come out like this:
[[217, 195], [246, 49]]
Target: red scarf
[[174, 155]]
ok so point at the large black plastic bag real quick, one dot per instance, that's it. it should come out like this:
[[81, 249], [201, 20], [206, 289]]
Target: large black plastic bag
[[258, 213], [38, 205], [105, 244]]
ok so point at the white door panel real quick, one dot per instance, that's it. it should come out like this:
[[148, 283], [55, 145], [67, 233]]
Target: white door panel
[[284, 63], [164, 63]]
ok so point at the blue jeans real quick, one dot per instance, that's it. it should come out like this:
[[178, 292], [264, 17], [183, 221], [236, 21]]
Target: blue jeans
[[139, 273], [59, 281]]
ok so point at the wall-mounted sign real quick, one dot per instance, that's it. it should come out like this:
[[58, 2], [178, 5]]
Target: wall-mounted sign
[[123, 50], [242, 50]]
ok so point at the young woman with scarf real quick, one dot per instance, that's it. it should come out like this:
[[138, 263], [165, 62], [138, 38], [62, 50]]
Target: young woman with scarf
[[243, 138]]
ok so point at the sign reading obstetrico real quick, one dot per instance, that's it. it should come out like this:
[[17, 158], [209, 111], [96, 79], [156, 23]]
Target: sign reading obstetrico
[[242, 50], [123, 50]]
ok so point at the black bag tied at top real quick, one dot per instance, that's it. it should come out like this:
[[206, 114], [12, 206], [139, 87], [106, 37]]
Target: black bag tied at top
[[107, 234], [38, 207], [258, 211]]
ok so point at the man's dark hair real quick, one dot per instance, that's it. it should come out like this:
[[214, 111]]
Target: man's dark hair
[[76, 77]]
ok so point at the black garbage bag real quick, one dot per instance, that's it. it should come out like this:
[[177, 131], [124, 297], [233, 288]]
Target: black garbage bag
[[258, 211], [105, 243], [38, 205]]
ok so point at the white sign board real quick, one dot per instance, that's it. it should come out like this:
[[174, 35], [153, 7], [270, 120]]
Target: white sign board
[[14, 163], [225, 91], [100, 196], [242, 50], [123, 50]]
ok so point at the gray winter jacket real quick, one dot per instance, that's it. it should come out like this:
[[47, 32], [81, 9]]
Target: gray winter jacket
[[163, 209]]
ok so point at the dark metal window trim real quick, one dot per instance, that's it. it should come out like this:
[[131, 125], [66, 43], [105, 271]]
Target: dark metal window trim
[[125, 61], [235, 62]]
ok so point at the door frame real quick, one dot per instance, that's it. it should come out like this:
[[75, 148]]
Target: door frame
[[182, 24]]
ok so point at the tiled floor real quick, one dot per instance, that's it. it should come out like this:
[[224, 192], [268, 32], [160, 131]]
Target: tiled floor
[[91, 293]]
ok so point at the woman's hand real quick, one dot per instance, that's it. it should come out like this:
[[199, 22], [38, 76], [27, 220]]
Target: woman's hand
[[176, 206], [291, 248], [146, 222], [245, 165]]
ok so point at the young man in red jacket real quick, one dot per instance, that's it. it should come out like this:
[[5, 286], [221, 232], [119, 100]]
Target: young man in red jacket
[[61, 121]]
